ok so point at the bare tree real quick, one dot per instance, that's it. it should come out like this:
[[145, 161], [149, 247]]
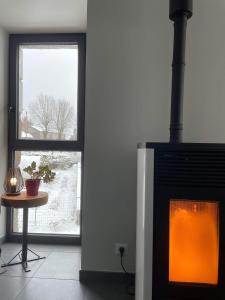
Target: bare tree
[[64, 116], [42, 112], [25, 124]]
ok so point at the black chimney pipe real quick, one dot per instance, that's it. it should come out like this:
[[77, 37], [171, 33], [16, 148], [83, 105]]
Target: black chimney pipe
[[180, 12]]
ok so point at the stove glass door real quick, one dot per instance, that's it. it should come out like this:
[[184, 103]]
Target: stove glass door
[[193, 241]]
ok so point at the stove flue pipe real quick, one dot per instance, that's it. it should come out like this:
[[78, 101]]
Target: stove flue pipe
[[180, 12]]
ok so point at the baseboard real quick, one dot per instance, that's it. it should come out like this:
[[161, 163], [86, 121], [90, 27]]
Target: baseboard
[[2, 240], [98, 276], [45, 239]]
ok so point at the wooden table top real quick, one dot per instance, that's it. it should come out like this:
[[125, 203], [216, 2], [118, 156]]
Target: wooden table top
[[24, 201]]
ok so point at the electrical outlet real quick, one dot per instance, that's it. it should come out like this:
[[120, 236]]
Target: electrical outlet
[[117, 247]]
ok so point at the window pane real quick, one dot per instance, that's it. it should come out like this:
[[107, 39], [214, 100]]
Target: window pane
[[61, 215], [194, 241], [48, 77]]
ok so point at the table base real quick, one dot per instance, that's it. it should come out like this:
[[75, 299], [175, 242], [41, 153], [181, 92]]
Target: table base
[[23, 262]]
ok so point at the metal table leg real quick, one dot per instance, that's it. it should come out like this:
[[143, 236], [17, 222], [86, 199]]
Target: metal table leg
[[24, 250], [24, 239]]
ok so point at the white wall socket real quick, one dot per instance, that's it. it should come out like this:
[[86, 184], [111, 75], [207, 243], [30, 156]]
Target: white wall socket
[[117, 247]]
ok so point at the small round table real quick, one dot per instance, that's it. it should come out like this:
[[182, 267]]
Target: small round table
[[25, 202]]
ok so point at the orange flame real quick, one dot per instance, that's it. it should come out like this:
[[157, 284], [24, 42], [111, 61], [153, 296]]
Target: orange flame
[[193, 242]]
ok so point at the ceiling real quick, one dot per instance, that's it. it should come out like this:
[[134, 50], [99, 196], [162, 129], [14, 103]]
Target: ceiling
[[43, 15]]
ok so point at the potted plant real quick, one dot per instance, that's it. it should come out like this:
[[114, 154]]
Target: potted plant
[[37, 174]]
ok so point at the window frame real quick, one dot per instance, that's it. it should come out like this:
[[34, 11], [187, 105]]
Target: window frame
[[17, 144]]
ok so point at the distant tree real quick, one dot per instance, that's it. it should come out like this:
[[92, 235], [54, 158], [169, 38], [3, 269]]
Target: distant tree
[[42, 112], [25, 123], [63, 117]]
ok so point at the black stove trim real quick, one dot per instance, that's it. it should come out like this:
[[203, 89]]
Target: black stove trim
[[162, 289], [182, 146]]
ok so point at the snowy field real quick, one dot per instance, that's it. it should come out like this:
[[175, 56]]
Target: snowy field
[[61, 215]]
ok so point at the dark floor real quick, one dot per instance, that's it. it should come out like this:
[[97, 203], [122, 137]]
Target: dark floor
[[54, 278]]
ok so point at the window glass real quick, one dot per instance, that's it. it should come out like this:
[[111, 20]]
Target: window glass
[[61, 215], [48, 79]]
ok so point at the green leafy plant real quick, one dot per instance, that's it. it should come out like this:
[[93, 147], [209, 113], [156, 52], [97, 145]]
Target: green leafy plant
[[42, 172]]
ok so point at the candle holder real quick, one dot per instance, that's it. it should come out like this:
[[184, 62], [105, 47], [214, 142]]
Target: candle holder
[[13, 182]]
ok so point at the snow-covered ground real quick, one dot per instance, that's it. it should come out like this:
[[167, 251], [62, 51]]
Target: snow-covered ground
[[62, 213]]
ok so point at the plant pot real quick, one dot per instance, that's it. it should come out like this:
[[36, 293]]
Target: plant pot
[[32, 186]]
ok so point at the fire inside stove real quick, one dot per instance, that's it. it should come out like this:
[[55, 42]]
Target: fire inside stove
[[193, 242]]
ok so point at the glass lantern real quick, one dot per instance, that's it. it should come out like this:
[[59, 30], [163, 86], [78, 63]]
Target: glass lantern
[[13, 182]]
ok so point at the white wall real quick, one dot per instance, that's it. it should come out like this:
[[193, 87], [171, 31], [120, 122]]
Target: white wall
[[129, 48], [129, 55], [3, 118]]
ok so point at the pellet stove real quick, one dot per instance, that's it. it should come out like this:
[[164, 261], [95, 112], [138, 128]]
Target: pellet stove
[[181, 203]]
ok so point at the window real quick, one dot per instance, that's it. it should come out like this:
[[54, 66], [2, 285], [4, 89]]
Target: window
[[61, 215], [48, 77], [46, 124]]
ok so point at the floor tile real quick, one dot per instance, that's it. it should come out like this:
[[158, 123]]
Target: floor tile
[[60, 265], [42, 248], [54, 278], [96, 291], [52, 289], [10, 287], [10, 247], [17, 270]]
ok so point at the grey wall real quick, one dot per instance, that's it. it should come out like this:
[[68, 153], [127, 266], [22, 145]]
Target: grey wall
[[3, 118], [129, 53], [205, 81], [127, 101]]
